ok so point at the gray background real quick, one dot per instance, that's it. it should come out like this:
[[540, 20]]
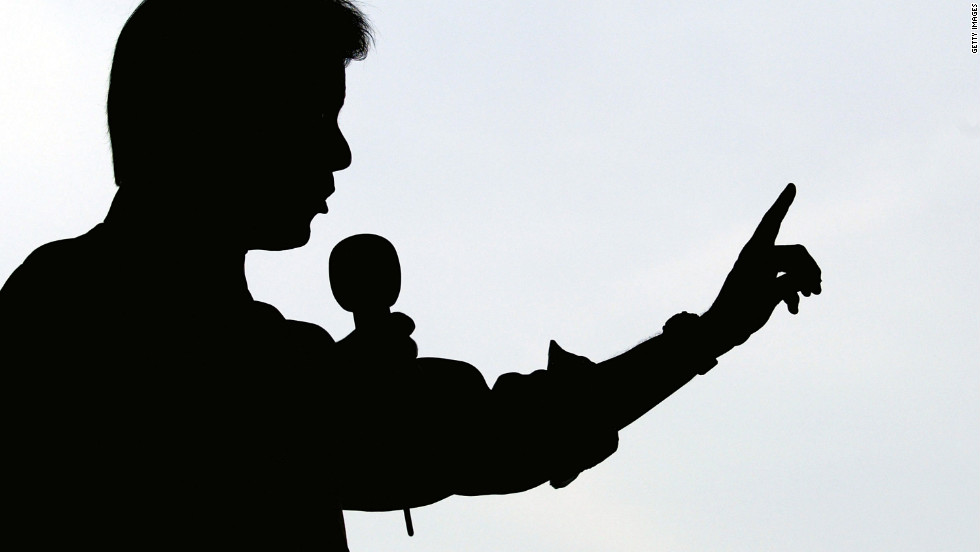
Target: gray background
[[580, 172]]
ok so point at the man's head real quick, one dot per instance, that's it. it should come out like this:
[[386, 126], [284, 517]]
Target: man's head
[[229, 108]]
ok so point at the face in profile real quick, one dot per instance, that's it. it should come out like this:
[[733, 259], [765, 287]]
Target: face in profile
[[225, 122], [287, 156]]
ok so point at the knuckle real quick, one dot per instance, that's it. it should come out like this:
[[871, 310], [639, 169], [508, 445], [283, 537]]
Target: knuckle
[[799, 249], [402, 323]]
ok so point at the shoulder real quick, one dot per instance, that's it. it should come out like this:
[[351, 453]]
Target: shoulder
[[62, 252], [59, 255], [53, 272]]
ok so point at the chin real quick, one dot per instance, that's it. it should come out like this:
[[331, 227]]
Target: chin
[[283, 240]]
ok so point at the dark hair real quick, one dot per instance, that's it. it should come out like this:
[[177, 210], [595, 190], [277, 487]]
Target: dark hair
[[183, 68]]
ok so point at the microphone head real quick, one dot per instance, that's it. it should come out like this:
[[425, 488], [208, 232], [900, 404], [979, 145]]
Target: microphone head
[[364, 273]]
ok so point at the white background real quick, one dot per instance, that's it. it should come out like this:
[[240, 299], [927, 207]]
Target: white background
[[582, 171]]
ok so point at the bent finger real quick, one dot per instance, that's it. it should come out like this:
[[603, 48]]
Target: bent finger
[[787, 289], [795, 259], [405, 349], [401, 324]]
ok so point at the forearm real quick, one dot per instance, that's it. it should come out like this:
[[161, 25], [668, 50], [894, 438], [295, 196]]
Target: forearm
[[457, 436], [641, 378]]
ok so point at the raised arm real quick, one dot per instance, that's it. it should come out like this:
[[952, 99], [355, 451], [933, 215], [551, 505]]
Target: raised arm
[[764, 275], [435, 428]]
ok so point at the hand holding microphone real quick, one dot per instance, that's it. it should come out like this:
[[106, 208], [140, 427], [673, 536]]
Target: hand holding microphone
[[366, 278]]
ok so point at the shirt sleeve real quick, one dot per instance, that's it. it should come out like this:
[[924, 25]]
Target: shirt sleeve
[[447, 432]]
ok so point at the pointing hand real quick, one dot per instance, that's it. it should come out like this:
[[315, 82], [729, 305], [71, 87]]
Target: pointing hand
[[764, 275]]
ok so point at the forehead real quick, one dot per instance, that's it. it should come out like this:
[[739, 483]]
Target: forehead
[[335, 84], [308, 82]]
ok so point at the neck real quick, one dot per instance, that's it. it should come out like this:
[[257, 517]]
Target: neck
[[189, 246]]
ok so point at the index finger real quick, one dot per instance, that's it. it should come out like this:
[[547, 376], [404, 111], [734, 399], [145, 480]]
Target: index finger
[[768, 228]]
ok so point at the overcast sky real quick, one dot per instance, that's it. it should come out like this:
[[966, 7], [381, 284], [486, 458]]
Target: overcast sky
[[581, 172]]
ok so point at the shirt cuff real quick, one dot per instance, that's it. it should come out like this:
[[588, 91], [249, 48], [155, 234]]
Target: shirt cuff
[[581, 439]]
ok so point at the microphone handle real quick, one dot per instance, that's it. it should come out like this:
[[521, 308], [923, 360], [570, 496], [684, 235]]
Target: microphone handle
[[367, 319]]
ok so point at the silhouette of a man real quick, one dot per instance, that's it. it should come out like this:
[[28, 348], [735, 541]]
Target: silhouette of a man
[[153, 404]]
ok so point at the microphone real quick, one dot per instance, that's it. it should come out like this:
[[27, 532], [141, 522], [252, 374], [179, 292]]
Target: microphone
[[365, 278]]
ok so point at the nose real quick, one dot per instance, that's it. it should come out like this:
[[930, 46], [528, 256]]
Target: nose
[[340, 155]]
